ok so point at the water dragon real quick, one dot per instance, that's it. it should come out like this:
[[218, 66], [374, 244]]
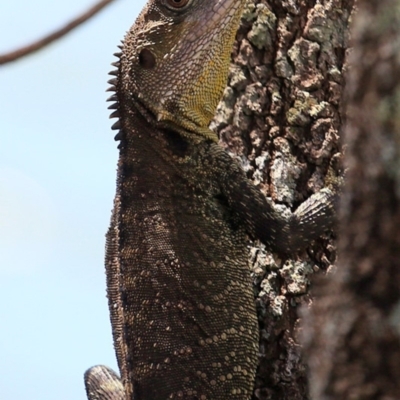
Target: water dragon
[[181, 302]]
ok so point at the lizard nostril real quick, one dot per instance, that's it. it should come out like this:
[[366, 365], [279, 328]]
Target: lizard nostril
[[147, 59]]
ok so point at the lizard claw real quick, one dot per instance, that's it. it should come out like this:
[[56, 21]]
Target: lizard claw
[[102, 383]]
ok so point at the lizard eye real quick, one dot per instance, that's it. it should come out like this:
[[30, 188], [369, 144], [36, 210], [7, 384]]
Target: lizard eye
[[177, 4]]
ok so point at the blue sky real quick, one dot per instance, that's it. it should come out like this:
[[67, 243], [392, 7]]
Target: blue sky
[[57, 182]]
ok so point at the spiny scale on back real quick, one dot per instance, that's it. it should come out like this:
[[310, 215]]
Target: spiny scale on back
[[181, 302]]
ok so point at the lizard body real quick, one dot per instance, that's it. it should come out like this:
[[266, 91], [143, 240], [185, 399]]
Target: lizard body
[[181, 303]]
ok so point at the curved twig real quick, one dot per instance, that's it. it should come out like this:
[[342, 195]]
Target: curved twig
[[39, 44]]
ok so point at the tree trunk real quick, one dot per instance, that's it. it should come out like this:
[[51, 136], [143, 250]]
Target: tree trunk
[[281, 115], [352, 333]]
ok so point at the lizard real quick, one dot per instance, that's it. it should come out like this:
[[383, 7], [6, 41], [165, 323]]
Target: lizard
[[181, 303]]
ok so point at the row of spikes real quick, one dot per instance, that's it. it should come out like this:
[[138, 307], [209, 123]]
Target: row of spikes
[[114, 98]]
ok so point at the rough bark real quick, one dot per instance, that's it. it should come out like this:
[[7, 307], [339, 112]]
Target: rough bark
[[281, 115], [352, 332]]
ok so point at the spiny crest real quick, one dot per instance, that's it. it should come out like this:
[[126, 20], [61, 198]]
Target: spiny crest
[[114, 98]]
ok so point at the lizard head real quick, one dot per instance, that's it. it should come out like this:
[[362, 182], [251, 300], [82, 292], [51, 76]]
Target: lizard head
[[175, 60]]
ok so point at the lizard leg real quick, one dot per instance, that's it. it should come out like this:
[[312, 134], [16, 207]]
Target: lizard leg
[[102, 383], [282, 233]]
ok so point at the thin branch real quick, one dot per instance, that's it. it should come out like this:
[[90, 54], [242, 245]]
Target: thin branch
[[39, 44]]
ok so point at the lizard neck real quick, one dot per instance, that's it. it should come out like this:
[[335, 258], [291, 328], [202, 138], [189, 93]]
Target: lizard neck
[[141, 132]]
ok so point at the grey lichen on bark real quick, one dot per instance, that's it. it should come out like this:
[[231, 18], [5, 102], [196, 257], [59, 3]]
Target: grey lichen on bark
[[281, 115]]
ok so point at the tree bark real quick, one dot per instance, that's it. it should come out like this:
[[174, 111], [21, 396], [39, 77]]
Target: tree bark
[[352, 333], [280, 115]]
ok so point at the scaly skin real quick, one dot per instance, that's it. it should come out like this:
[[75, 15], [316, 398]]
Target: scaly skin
[[181, 302]]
